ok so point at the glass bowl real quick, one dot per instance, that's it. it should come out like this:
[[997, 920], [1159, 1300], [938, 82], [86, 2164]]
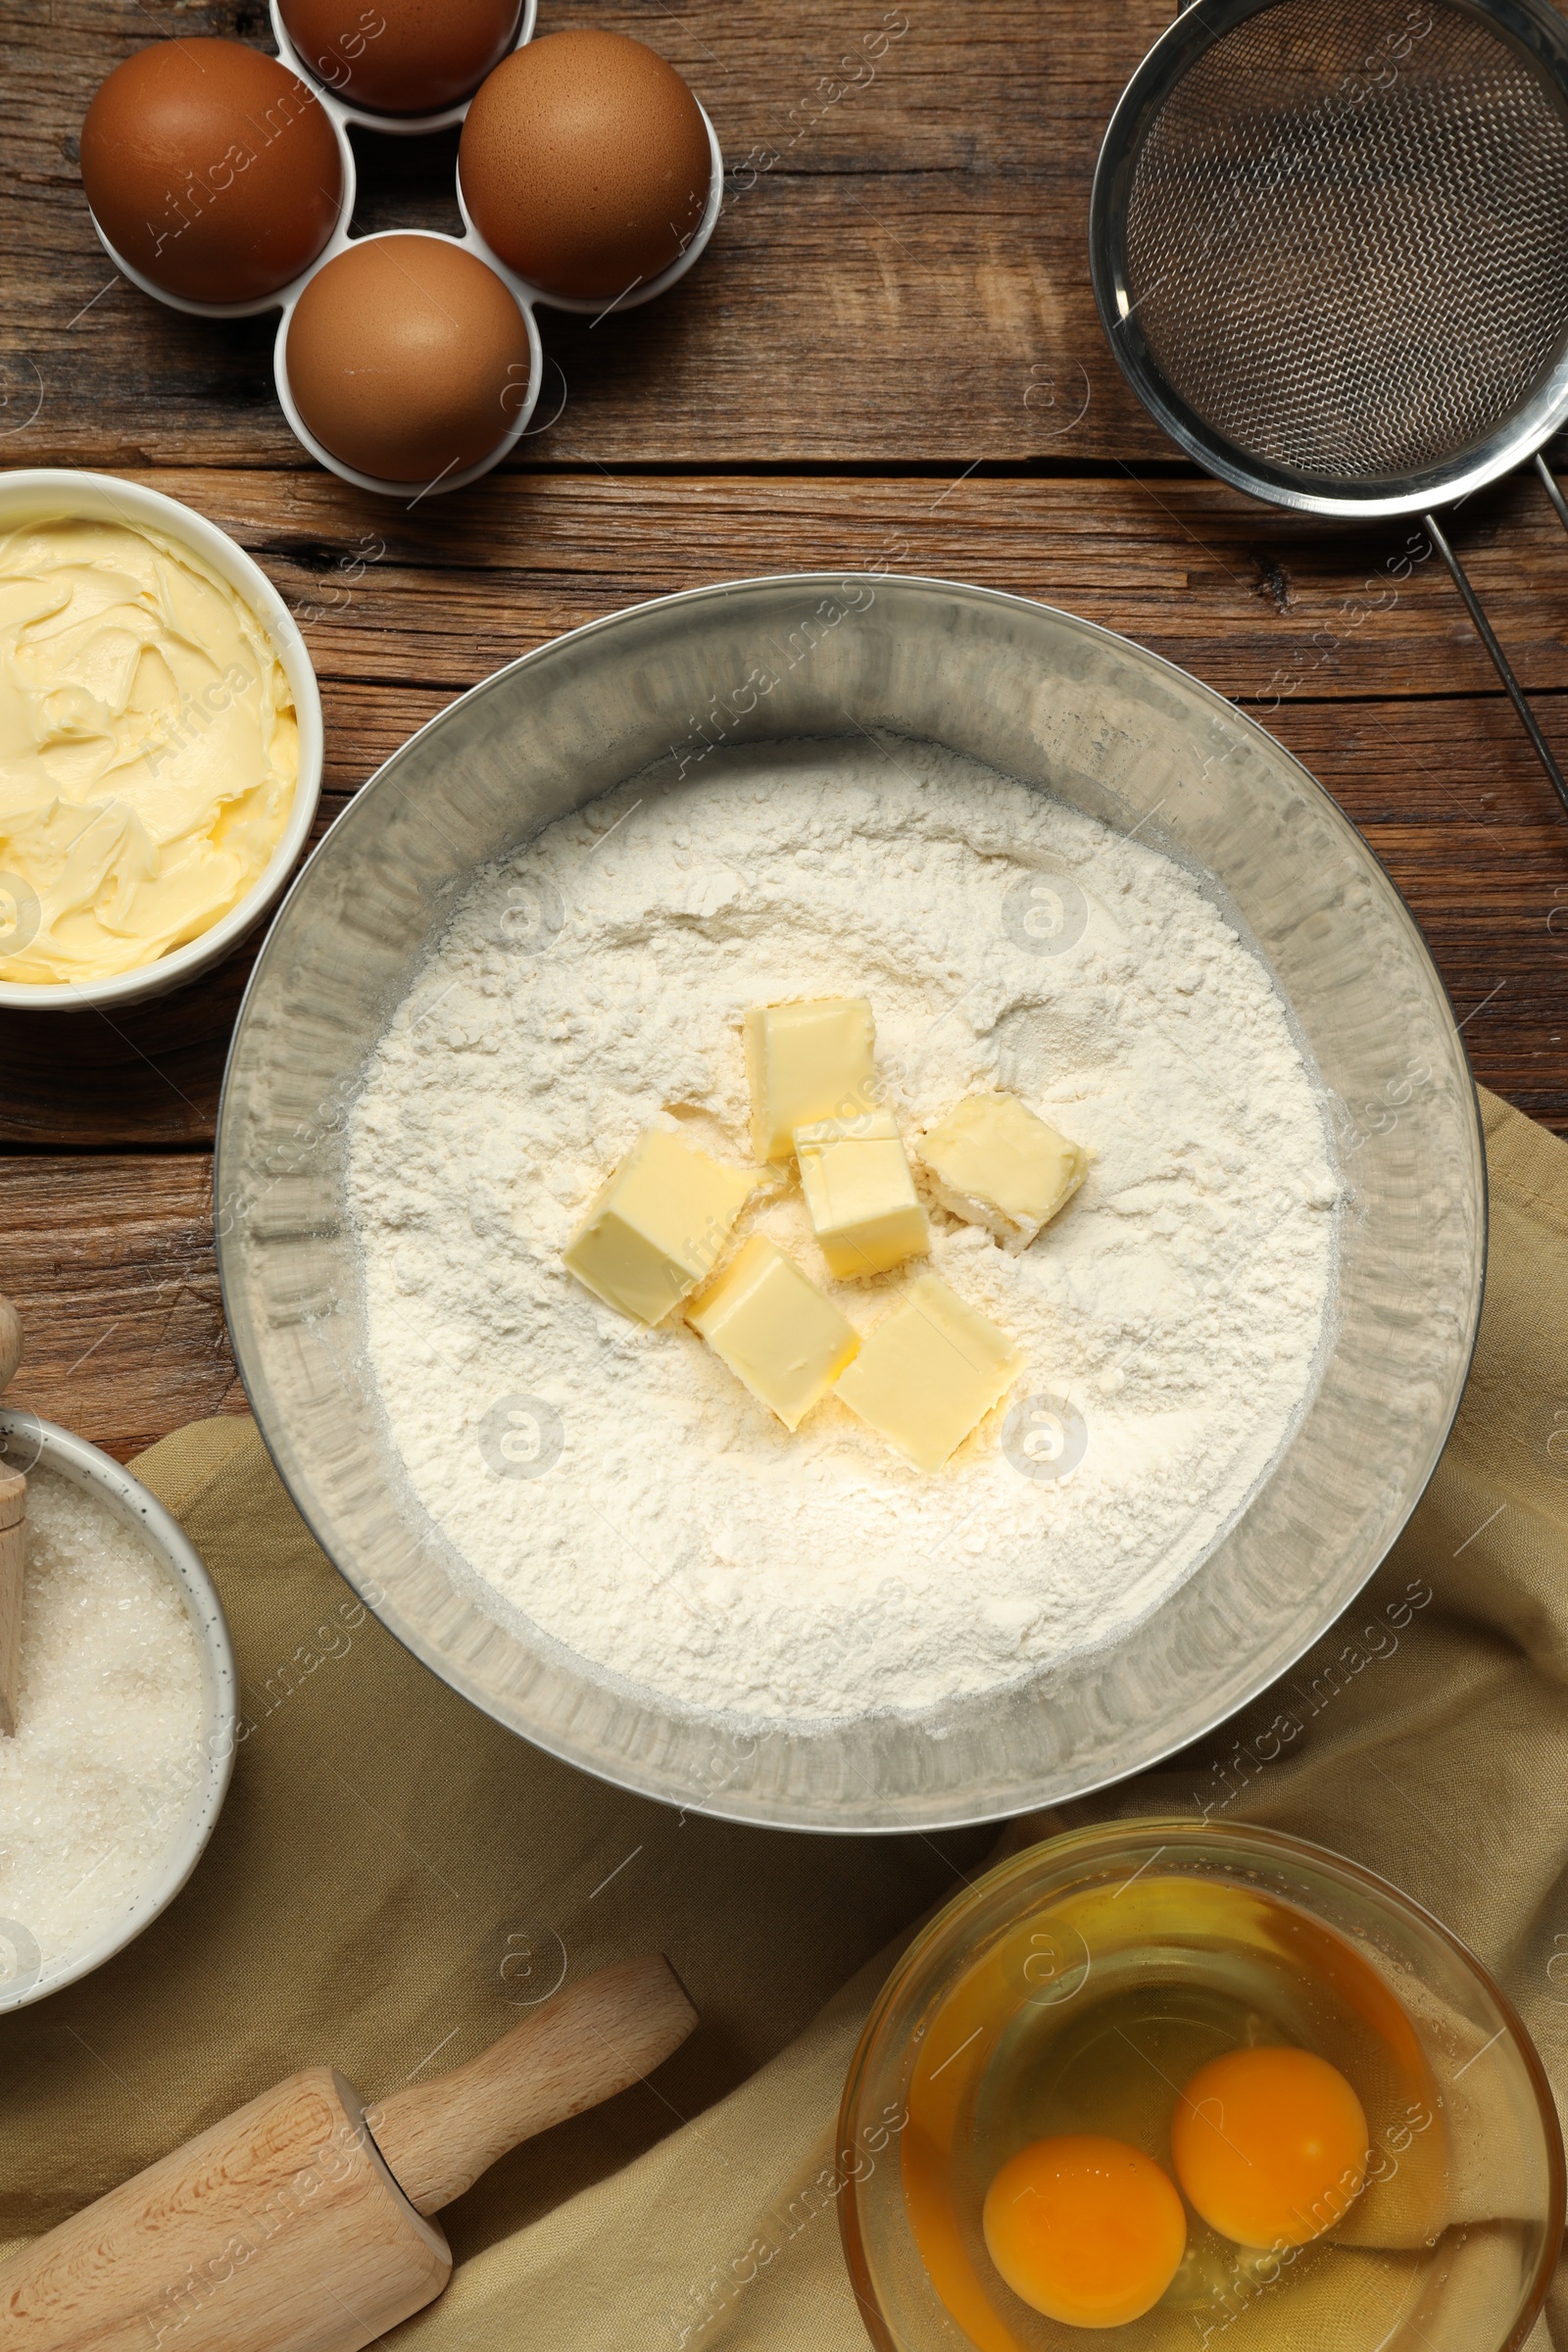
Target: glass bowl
[[1077, 1986], [722, 676]]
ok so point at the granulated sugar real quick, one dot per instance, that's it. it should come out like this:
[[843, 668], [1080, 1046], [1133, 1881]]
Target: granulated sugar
[[619, 1487], [108, 1745]]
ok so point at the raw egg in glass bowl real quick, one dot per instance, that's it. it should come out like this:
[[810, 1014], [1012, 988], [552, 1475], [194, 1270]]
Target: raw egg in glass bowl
[[1153, 2079]]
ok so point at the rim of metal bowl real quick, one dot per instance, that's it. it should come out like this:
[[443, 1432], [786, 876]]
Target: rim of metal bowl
[[882, 1814]]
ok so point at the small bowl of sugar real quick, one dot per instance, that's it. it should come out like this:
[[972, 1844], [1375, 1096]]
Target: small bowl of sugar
[[123, 1740]]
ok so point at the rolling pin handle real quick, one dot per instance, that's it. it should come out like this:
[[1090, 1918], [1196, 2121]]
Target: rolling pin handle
[[589, 2042]]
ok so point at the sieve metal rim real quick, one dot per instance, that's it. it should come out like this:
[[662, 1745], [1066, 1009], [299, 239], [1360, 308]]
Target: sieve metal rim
[[1534, 26]]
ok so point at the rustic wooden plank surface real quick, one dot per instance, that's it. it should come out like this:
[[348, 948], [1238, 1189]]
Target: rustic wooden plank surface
[[1265, 607], [110, 1260], [403, 614], [888, 360], [899, 280]]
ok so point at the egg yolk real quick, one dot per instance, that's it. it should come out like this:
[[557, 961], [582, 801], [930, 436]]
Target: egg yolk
[[1270, 2145], [1085, 2229]]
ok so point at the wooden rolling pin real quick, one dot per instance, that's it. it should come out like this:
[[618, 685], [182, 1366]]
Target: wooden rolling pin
[[13, 1540], [299, 2224]]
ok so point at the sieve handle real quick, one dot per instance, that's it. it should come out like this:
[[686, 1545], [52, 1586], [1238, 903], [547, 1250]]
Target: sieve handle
[[1550, 484], [1483, 630]]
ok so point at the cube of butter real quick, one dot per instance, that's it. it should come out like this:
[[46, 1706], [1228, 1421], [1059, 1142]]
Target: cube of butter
[[774, 1329], [994, 1163], [806, 1062], [860, 1194], [930, 1372], [654, 1230]]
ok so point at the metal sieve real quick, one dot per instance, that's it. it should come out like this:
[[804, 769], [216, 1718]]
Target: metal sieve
[[1329, 242]]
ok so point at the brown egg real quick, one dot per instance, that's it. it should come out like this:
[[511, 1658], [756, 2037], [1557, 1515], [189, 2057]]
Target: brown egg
[[585, 164], [210, 168], [407, 358], [402, 57]]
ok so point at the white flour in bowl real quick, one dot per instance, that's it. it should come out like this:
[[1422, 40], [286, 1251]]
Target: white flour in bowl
[[619, 1487]]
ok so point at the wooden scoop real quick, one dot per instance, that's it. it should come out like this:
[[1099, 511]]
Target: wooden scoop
[[298, 2225], [13, 1540]]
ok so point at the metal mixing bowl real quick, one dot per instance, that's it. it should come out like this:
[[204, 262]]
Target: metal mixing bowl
[[27, 1444], [1070, 710]]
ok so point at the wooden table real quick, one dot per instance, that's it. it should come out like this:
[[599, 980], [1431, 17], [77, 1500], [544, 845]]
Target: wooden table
[[889, 358]]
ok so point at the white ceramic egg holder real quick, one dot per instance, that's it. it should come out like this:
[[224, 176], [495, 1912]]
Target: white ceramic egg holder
[[527, 297]]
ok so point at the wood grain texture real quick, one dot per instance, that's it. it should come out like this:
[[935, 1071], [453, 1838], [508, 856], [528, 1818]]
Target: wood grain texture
[[888, 360], [901, 269], [279, 2230], [13, 1550], [1353, 649], [1267, 607], [111, 1262], [298, 2222], [592, 2040]]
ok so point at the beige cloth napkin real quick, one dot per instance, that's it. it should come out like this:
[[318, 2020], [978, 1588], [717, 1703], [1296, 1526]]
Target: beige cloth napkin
[[393, 1878]]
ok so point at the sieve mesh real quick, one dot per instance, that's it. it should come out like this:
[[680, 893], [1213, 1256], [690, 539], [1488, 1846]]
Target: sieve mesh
[[1346, 235]]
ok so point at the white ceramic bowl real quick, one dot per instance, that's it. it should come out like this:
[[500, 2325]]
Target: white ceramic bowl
[[34, 494], [27, 1443]]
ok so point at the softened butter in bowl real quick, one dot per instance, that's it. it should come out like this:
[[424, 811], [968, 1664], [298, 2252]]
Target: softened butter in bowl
[[149, 748]]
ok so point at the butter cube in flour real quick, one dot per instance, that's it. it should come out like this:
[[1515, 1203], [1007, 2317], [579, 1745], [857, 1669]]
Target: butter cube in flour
[[994, 1163], [930, 1372], [774, 1329], [860, 1193], [654, 1230], [806, 1062]]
